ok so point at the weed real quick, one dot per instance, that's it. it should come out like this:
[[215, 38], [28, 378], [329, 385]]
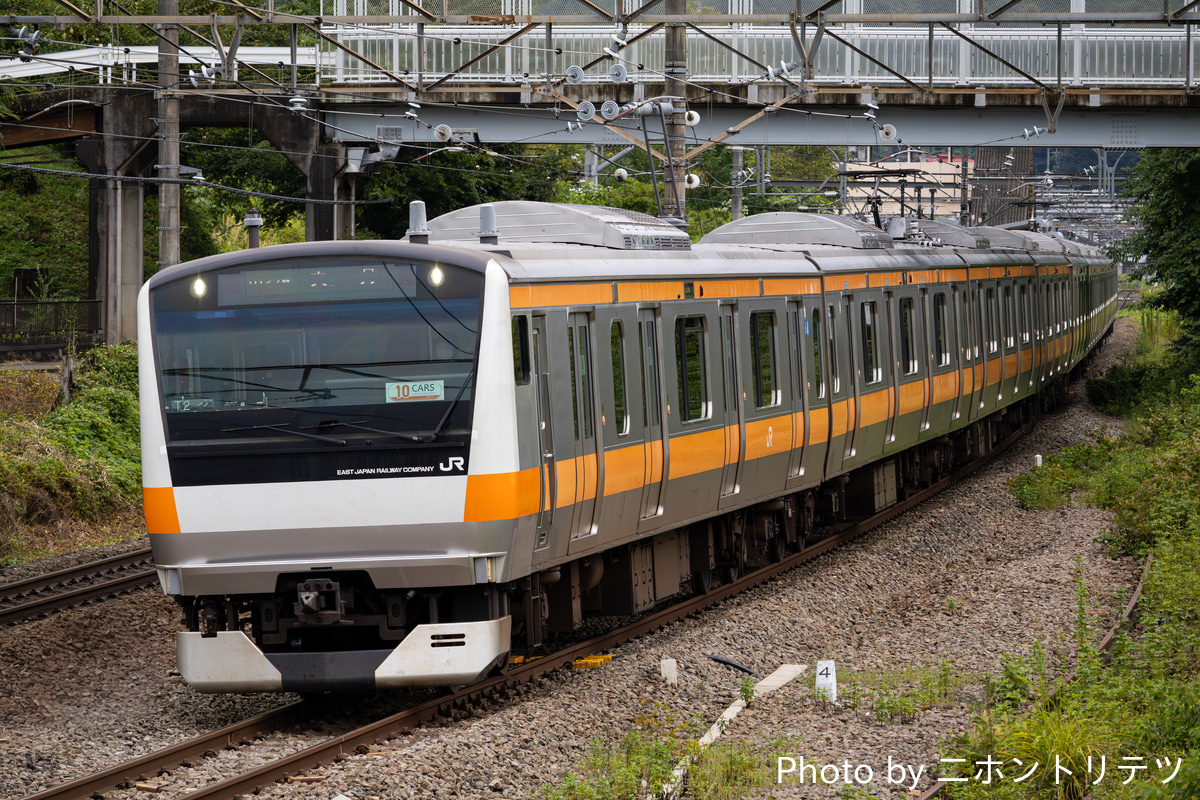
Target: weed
[[30, 394], [747, 690], [953, 605]]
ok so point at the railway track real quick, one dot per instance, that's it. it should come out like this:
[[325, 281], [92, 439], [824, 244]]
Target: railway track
[[97, 580], [126, 776], [1127, 298]]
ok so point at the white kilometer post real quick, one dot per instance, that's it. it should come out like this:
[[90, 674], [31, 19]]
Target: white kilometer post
[[827, 680]]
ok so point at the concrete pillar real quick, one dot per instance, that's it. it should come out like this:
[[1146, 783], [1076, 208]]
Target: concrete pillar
[[320, 224]]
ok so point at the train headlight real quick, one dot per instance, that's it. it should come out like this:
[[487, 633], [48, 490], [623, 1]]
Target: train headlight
[[436, 276], [198, 288]]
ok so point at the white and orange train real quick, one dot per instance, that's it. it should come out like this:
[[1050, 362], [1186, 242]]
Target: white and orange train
[[381, 463]]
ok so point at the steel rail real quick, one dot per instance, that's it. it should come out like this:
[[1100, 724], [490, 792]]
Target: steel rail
[[174, 756], [51, 585], [78, 597]]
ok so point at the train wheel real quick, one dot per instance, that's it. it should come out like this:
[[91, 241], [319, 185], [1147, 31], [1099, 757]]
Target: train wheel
[[702, 581], [779, 548]]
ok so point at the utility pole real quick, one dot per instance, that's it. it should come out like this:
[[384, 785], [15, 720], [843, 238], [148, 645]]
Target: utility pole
[[168, 132], [675, 70]]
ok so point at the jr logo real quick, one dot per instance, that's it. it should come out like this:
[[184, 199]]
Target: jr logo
[[454, 463]]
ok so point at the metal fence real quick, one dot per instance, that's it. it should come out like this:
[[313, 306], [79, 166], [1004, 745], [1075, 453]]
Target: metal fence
[[1091, 56], [36, 321]]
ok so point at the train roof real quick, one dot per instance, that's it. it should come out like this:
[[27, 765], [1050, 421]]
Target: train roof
[[542, 242]]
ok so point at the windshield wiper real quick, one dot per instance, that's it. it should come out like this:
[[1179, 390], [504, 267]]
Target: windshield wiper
[[282, 429], [446, 417], [417, 437]]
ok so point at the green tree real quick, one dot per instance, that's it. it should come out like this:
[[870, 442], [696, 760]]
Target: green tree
[[1165, 188]]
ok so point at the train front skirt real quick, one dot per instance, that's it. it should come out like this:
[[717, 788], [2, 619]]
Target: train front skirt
[[447, 654]]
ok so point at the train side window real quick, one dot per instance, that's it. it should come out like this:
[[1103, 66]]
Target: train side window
[[649, 364], [574, 394], [991, 321], [941, 339], [908, 349], [1023, 311], [520, 337], [872, 371], [585, 380], [1009, 322], [620, 406], [833, 351], [818, 374], [762, 345], [964, 326], [691, 370]]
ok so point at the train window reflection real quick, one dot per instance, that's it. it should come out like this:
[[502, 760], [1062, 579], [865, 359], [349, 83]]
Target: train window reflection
[[762, 345], [941, 341], [908, 349], [872, 371], [818, 373], [620, 407], [691, 370]]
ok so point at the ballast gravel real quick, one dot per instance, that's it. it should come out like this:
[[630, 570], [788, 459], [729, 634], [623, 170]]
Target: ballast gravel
[[963, 580]]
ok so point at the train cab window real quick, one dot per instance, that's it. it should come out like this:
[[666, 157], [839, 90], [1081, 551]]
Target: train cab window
[[872, 372], [818, 374], [691, 369], [520, 338], [941, 337], [908, 342], [620, 406], [762, 345], [836, 376]]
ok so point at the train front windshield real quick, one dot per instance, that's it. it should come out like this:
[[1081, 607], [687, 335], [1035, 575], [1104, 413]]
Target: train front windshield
[[317, 354]]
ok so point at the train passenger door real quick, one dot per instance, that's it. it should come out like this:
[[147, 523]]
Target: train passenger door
[[655, 444], [585, 471], [734, 440], [548, 479], [960, 298], [978, 351]]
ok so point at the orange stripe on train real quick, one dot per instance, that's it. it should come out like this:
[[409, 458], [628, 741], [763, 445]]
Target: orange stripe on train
[[505, 495], [159, 506]]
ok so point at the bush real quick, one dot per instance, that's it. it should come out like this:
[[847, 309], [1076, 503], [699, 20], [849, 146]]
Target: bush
[[79, 461]]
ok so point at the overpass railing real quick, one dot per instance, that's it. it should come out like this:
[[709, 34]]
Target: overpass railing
[[1086, 56]]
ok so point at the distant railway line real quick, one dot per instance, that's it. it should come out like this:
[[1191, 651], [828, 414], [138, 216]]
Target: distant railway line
[[88, 583]]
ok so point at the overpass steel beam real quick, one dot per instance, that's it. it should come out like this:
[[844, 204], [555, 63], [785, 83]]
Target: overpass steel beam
[[839, 125]]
